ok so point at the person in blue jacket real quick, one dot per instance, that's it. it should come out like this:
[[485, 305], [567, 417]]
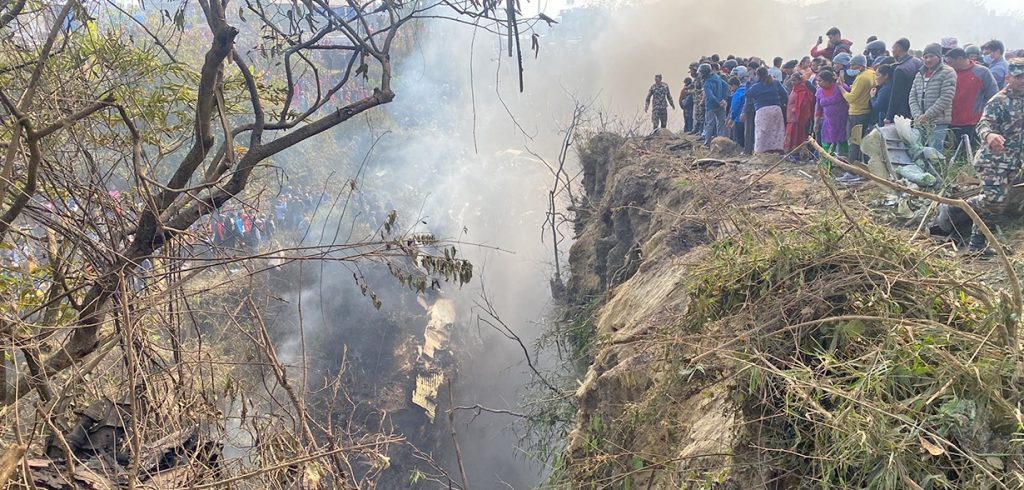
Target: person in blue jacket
[[882, 93], [739, 91], [715, 92]]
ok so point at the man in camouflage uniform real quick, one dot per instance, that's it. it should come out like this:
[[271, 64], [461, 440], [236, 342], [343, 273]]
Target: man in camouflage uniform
[[998, 162], [699, 110], [697, 97], [662, 99]]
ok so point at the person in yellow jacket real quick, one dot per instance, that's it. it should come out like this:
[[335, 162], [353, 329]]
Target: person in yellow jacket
[[859, 98]]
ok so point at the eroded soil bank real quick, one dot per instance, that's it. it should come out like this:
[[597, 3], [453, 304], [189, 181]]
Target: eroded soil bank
[[754, 329]]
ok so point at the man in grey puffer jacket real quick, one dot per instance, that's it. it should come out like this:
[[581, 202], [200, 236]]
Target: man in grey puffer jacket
[[931, 95]]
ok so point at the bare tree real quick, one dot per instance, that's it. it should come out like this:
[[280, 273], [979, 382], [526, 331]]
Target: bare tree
[[122, 130]]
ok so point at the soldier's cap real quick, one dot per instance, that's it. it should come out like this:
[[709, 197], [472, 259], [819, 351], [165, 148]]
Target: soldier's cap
[[1016, 68]]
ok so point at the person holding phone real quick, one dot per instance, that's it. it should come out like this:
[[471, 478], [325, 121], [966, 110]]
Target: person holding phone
[[836, 44]]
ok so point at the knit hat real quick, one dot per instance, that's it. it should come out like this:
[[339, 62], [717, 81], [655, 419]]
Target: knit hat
[[842, 59], [730, 64], [859, 60], [740, 72], [704, 69], [933, 49]]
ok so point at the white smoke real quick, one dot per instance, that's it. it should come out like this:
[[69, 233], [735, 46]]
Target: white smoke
[[454, 163]]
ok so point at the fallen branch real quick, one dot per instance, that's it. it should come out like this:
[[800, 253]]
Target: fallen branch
[[478, 409], [10, 462], [455, 437], [297, 461], [1011, 324]]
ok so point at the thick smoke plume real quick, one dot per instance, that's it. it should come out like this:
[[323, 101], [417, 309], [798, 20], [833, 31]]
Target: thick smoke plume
[[452, 158]]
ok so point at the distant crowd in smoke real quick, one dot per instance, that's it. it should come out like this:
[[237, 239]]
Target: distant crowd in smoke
[[288, 219]]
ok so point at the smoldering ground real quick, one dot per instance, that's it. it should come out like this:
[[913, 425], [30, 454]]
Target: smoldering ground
[[450, 155]]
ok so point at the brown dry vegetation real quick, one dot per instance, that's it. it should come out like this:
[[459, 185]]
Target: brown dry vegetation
[[757, 331], [121, 133]]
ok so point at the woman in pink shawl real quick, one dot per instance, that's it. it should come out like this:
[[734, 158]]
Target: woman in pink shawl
[[831, 114]]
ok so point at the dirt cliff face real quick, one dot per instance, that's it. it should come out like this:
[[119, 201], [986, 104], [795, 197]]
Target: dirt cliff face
[[654, 207], [704, 267]]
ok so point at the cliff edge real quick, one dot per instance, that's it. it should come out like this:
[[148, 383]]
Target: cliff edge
[[754, 329]]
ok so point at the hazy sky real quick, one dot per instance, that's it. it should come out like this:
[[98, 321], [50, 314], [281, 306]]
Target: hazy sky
[[554, 6], [1000, 6]]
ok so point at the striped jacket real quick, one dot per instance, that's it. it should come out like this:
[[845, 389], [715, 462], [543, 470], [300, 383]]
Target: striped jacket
[[933, 96]]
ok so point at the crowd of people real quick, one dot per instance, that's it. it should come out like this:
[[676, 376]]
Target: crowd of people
[[973, 95], [246, 229]]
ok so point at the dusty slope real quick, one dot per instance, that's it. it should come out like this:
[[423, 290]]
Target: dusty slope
[[651, 201], [657, 417]]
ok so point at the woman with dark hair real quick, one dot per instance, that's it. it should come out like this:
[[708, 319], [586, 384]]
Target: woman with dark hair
[[805, 68], [767, 97], [832, 114], [800, 113], [882, 93]]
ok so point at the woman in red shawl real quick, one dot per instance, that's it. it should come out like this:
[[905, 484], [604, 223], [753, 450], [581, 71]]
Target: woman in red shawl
[[800, 112]]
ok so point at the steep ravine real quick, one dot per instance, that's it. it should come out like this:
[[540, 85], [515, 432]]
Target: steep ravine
[[652, 213], [673, 401]]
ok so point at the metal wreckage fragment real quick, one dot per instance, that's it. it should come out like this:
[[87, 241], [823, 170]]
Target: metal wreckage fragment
[[98, 445]]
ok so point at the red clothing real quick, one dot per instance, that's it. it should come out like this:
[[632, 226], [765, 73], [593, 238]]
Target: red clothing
[[800, 111], [968, 86], [830, 51]]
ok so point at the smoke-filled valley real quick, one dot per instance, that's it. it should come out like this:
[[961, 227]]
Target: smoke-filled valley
[[315, 244]]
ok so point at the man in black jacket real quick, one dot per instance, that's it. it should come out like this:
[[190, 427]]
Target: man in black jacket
[[904, 71]]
